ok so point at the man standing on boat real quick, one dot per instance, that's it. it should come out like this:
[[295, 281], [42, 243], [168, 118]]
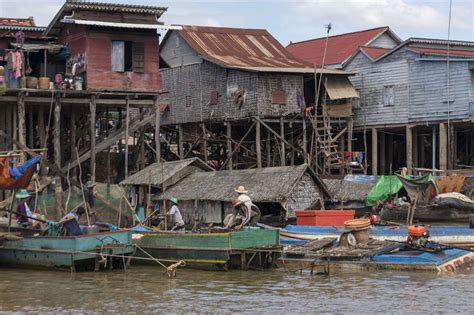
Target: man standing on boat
[[244, 207], [176, 219], [90, 201]]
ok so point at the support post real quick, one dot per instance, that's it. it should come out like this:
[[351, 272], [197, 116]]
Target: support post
[[258, 145], [204, 142], [415, 147], [157, 128], [92, 131], [342, 150], [72, 141], [21, 121], [433, 148], [349, 134], [409, 149], [282, 143], [305, 141], [374, 151], [57, 157], [229, 144], [382, 156], [443, 147], [31, 139], [127, 131], [42, 135], [180, 142]]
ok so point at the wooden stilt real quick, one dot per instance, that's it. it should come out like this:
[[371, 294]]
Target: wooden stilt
[[21, 121], [269, 149], [204, 142], [443, 147], [229, 145], [72, 142], [415, 147], [409, 149], [374, 152], [180, 142], [157, 129], [282, 145], [9, 122], [258, 145], [305, 141], [57, 157], [292, 140], [92, 131], [127, 134], [381, 150], [31, 128]]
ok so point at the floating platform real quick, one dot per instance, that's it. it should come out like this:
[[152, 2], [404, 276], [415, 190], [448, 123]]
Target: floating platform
[[85, 252], [248, 248]]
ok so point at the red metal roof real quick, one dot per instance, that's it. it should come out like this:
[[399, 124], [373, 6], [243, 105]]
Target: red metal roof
[[374, 52], [340, 47], [17, 22], [239, 48], [444, 52]]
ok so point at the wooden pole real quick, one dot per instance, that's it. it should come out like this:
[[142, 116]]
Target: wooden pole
[[180, 142], [204, 142], [258, 145], [269, 149], [305, 141], [374, 152], [72, 141], [31, 127], [443, 147], [13, 192], [292, 140], [282, 145], [157, 129], [92, 131], [21, 121], [127, 131], [229, 145], [57, 157], [409, 149], [42, 134], [382, 156]]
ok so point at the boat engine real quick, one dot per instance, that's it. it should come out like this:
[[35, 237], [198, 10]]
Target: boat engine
[[418, 236]]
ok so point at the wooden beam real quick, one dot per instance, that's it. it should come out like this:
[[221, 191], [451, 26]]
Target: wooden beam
[[374, 152], [72, 141], [157, 129], [277, 135], [258, 147], [92, 131], [305, 141], [204, 142], [229, 145], [229, 157], [409, 149], [269, 149]]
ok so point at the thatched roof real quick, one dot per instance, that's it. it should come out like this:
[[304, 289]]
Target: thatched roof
[[167, 173], [270, 184], [348, 189]]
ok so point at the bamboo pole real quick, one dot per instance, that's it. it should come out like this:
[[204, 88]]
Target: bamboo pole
[[57, 157], [229, 144], [92, 130], [258, 145], [157, 129], [127, 127]]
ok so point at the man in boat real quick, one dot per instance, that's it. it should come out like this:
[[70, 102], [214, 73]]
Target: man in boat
[[70, 222], [23, 212], [175, 218], [245, 208], [90, 201]]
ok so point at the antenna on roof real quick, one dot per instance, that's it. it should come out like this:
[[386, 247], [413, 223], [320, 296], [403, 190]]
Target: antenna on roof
[[328, 27]]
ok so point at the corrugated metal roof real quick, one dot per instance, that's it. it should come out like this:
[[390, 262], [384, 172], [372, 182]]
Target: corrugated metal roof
[[340, 47], [444, 52], [250, 49], [374, 52], [114, 7]]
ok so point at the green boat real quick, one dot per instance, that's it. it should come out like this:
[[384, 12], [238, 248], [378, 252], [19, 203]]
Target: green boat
[[84, 252], [248, 248]]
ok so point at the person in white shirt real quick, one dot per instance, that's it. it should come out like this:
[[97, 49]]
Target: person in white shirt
[[176, 220], [243, 207]]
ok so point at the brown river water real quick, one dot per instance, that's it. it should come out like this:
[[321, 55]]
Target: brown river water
[[146, 289]]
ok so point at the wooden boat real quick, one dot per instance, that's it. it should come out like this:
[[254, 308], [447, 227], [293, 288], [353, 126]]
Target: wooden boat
[[428, 213], [449, 235], [84, 252], [372, 254], [249, 247]]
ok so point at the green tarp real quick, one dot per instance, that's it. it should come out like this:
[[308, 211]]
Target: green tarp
[[384, 186]]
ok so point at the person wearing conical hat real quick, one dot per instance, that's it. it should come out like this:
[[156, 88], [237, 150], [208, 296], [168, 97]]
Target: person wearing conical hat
[[244, 208], [176, 219], [23, 211]]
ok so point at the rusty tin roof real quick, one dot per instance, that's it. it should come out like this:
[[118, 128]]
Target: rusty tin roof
[[248, 49]]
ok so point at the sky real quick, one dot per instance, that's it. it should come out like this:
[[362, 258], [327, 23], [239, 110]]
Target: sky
[[295, 20]]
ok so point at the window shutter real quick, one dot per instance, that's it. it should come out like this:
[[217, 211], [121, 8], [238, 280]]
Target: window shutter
[[279, 97], [118, 55], [138, 57]]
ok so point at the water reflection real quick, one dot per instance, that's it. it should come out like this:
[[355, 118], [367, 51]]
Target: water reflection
[[147, 289]]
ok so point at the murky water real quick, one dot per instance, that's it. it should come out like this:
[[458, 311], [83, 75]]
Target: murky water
[[146, 289]]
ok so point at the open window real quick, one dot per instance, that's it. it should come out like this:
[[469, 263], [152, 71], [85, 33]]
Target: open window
[[388, 96], [127, 56]]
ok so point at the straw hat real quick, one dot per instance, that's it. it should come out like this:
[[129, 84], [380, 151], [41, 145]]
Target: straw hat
[[22, 193], [174, 200], [90, 184], [241, 190]]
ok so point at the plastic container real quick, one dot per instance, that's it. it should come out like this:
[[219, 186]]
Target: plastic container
[[43, 83], [323, 217]]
